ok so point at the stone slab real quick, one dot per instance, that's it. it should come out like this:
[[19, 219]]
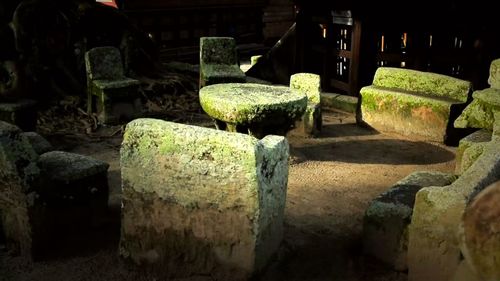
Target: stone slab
[[339, 102], [475, 142]]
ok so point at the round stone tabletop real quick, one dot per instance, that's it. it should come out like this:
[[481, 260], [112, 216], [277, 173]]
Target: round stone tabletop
[[248, 103]]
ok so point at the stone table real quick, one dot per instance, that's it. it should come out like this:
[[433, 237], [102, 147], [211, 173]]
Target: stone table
[[256, 109]]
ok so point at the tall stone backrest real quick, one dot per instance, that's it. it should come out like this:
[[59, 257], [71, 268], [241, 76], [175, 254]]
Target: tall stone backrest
[[494, 78], [198, 200], [114, 96], [18, 171], [309, 84], [219, 61]]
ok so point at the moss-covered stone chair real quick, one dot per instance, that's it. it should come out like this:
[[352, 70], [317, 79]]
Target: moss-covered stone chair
[[310, 85], [413, 103], [113, 96], [219, 61]]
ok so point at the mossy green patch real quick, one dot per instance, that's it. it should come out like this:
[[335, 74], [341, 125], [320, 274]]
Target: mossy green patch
[[494, 78], [308, 83], [425, 83]]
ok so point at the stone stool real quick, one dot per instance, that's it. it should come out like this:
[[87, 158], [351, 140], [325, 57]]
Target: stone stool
[[310, 85]]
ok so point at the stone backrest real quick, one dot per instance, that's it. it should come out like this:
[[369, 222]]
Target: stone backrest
[[104, 63], [218, 50], [308, 83], [494, 78], [213, 197], [423, 83]]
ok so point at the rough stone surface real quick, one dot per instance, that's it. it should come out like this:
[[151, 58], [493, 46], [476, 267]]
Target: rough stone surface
[[257, 81], [21, 113], [496, 127], [18, 177], [114, 96], [392, 110], [219, 61], [309, 84], [65, 166], [198, 200], [424, 83], [480, 112], [263, 109], [39, 143], [480, 230], [475, 142], [339, 102], [433, 251], [494, 78], [385, 230]]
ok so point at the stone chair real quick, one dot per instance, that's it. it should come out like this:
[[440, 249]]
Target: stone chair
[[309, 84], [201, 201], [113, 96], [219, 61]]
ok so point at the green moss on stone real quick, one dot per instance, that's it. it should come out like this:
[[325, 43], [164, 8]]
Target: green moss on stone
[[254, 59], [218, 50], [104, 63], [221, 73], [494, 78], [309, 84], [480, 137], [338, 101], [470, 156], [425, 83], [251, 103], [477, 115]]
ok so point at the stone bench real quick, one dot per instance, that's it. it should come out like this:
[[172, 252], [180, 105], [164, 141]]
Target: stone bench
[[386, 221], [219, 61], [21, 113], [46, 199], [434, 249], [412, 103], [201, 201]]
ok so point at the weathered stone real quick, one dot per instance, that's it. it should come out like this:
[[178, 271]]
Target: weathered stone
[[433, 251], [21, 113], [480, 229], [115, 97], [496, 127], [309, 84], [494, 78], [474, 144], [310, 123], [339, 102], [18, 178], [259, 109], [257, 81], [254, 59], [199, 201], [39, 143], [385, 230], [74, 179], [424, 83], [480, 112], [219, 61]]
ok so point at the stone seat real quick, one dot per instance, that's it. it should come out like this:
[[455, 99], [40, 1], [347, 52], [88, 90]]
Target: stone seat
[[413, 103], [256, 109], [309, 84], [111, 95], [219, 61], [480, 112], [386, 221], [21, 113], [201, 201]]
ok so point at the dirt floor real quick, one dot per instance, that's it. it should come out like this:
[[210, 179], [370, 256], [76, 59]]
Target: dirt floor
[[331, 181]]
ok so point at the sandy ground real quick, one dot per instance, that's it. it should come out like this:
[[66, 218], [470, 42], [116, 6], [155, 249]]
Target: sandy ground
[[331, 181]]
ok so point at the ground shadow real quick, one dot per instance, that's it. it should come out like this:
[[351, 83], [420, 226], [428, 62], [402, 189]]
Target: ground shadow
[[346, 130], [388, 151]]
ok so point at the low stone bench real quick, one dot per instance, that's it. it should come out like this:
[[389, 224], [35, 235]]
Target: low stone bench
[[219, 61], [309, 84], [45, 199], [256, 109], [201, 201], [386, 221], [22, 113], [412, 103]]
